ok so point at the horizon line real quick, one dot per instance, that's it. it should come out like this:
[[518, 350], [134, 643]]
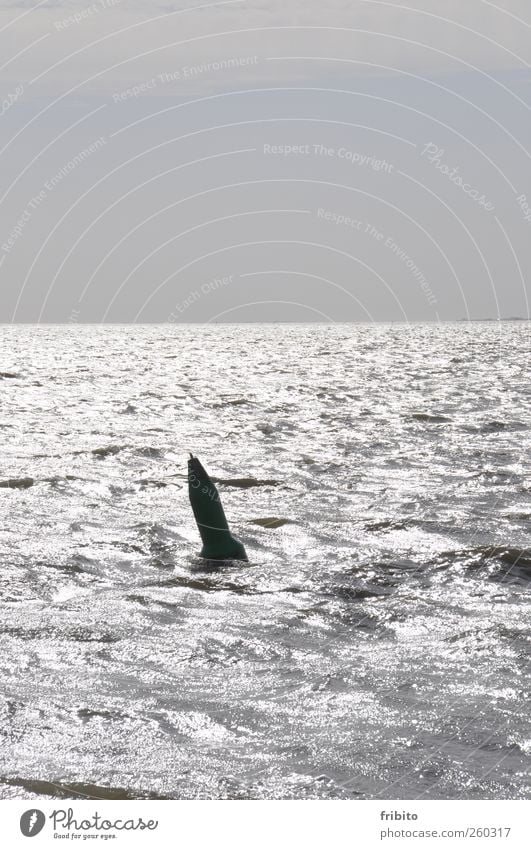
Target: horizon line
[[69, 323]]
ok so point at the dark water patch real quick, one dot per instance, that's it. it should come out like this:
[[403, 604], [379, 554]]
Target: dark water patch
[[86, 563], [202, 566], [356, 616], [383, 578], [164, 561], [106, 451], [463, 635], [150, 452], [84, 635], [209, 586], [516, 557], [510, 556], [386, 525], [349, 593], [27, 633], [331, 684], [147, 483], [495, 474], [56, 481], [119, 490], [72, 568], [245, 483], [271, 522], [128, 547], [169, 606], [493, 426], [8, 375], [517, 570], [509, 562], [518, 639], [17, 483], [398, 567], [237, 402], [139, 599], [77, 635], [499, 748], [513, 633], [159, 541], [385, 584], [429, 418], [77, 790], [12, 707], [291, 590], [86, 714]]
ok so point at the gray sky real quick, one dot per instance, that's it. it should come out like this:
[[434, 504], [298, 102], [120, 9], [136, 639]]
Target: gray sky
[[259, 160]]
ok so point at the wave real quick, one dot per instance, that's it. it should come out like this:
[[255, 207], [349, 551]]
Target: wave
[[494, 426], [106, 451], [237, 402], [149, 451], [77, 790], [429, 418], [17, 483], [76, 635], [349, 593], [73, 568], [245, 483], [511, 562], [148, 483], [207, 585], [271, 522], [387, 525]]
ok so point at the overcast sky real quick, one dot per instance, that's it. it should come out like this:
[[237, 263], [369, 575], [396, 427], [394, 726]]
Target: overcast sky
[[255, 160]]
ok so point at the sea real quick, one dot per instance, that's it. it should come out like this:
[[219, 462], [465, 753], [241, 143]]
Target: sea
[[376, 644]]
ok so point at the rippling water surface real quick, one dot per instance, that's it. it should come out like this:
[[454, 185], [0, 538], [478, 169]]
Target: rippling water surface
[[375, 645]]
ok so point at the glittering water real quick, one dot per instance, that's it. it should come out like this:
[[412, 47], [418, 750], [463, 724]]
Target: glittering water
[[375, 646]]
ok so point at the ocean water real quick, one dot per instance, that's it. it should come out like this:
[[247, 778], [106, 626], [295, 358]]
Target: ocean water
[[375, 646]]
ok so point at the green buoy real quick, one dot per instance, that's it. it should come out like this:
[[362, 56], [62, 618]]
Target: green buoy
[[218, 542]]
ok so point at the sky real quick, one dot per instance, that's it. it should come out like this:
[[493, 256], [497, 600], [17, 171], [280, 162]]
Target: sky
[[254, 160]]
